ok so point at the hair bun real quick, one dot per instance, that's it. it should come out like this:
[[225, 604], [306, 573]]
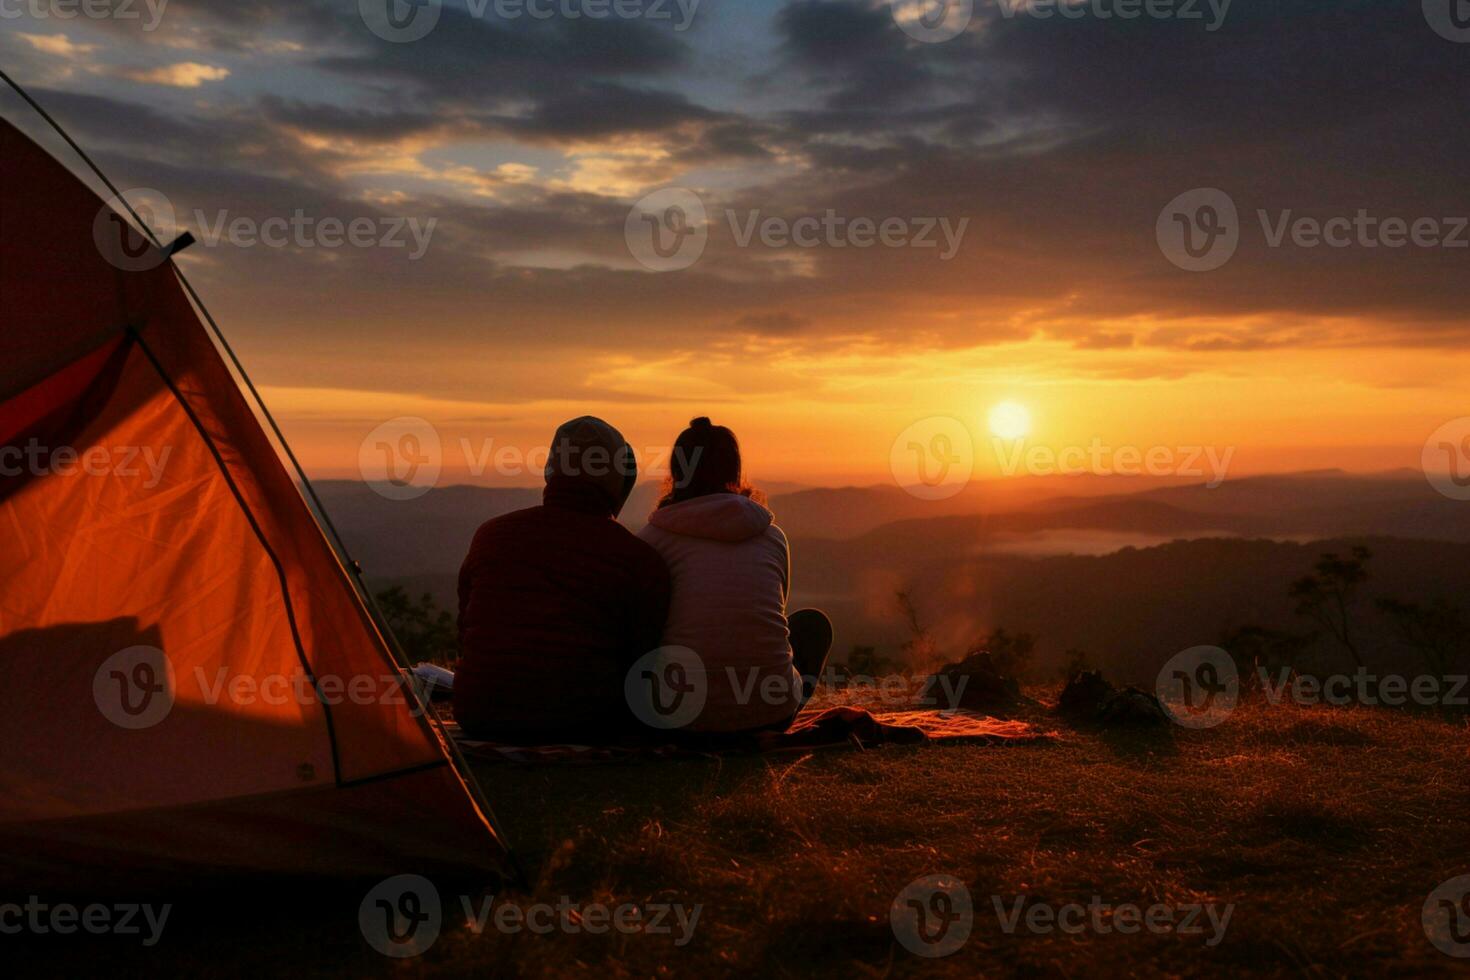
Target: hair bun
[[702, 422]]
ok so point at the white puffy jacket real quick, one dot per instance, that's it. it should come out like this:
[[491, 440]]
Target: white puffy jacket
[[731, 571]]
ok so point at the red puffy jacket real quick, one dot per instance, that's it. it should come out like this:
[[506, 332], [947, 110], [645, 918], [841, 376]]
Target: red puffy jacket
[[555, 604]]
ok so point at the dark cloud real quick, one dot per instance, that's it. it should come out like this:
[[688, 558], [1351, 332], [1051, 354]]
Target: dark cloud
[[475, 60], [230, 26], [591, 111], [352, 123], [856, 50], [1060, 140]]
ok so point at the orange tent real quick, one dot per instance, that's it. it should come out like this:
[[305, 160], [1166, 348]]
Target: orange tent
[[190, 681]]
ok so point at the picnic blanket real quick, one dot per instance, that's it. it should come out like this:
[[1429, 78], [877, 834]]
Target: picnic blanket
[[840, 727]]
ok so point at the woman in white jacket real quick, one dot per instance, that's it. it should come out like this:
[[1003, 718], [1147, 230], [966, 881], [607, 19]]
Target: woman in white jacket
[[731, 571]]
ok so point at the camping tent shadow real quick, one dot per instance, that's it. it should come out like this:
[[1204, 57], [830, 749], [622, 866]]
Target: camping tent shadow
[[209, 794]]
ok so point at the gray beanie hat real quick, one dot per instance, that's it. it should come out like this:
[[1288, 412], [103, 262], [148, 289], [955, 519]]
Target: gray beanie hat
[[589, 449]]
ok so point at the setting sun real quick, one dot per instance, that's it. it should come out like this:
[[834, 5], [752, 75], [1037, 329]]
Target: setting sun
[[1010, 420]]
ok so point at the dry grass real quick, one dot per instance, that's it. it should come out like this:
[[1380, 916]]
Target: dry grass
[[1324, 828]]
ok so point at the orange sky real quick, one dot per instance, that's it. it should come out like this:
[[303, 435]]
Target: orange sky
[[1270, 411], [1059, 155]]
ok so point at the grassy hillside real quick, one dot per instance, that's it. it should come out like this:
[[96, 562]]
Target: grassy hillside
[[1323, 830]]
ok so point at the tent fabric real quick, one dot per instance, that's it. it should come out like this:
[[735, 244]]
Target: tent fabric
[[142, 506]]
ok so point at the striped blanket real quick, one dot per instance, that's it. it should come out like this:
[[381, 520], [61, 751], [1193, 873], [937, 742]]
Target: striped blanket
[[839, 727]]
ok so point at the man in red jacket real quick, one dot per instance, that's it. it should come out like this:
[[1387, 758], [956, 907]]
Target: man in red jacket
[[556, 602]]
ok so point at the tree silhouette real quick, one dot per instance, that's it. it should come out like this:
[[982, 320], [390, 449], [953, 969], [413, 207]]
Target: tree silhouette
[[424, 631], [1437, 631], [1260, 648], [1329, 595], [1010, 652], [920, 650]]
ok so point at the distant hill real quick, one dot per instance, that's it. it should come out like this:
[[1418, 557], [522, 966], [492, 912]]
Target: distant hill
[[1121, 576], [1129, 610], [1400, 503], [413, 537], [845, 512], [430, 534], [425, 535]]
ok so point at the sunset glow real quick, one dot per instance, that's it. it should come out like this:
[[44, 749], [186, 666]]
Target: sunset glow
[[853, 273], [1010, 420]]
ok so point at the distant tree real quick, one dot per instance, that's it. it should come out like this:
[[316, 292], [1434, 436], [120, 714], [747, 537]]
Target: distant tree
[[1257, 647], [919, 650], [866, 661], [1330, 594], [1010, 652], [1074, 662], [423, 630], [1437, 631]]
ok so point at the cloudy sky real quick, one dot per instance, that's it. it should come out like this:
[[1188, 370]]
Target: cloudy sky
[[1054, 149]]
